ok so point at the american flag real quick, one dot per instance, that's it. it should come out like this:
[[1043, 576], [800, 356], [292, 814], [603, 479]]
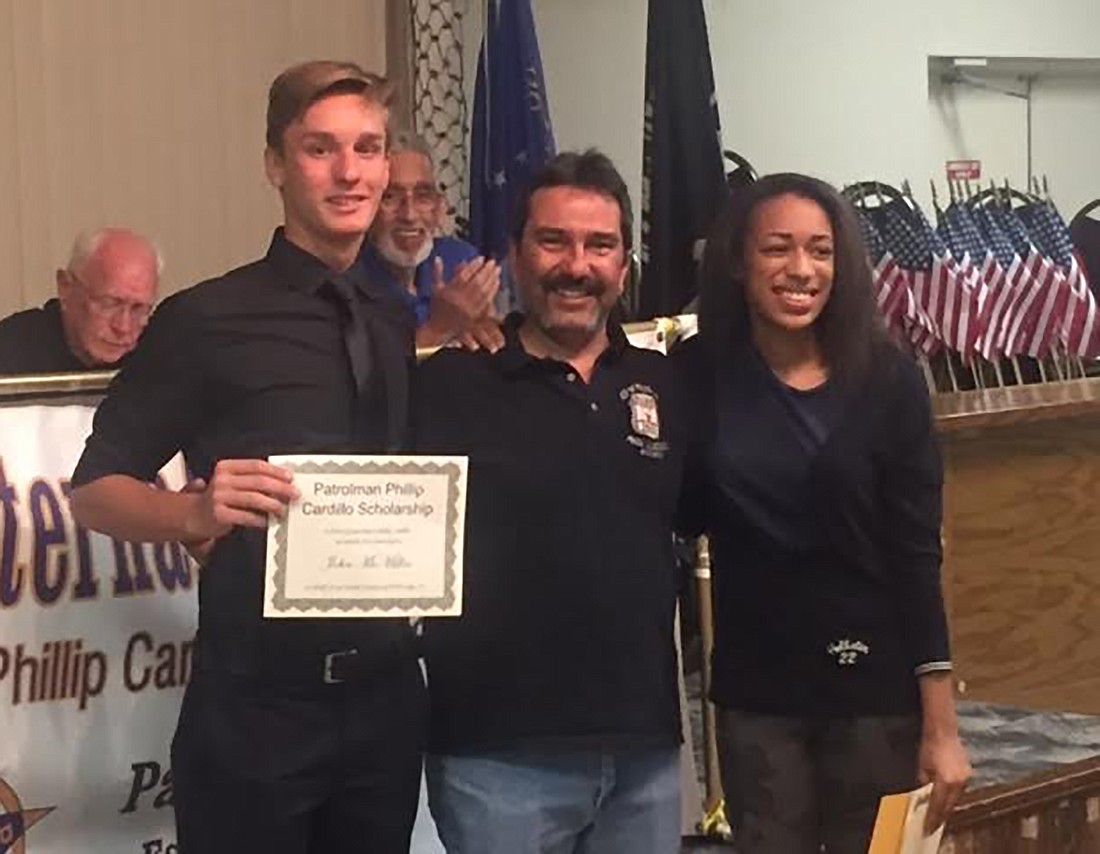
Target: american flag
[[1011, 286], [890, 282], [871, 238], [1080, 333], [912, 243], [983, 274], [961, 317], [1037, 320], [959, 223]]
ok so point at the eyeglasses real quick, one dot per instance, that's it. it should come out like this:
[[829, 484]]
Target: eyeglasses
[[113, 308], [422, 197]]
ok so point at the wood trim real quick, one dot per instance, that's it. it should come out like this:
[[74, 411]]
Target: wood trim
[[399, 60], [998, 407], [1028, 795]]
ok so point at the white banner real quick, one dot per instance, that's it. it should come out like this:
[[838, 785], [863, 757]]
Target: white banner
[[95, 648]]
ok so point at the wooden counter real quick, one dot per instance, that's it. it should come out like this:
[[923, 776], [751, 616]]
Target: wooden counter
[[1022, 543], [998, 407], [1050, 812]]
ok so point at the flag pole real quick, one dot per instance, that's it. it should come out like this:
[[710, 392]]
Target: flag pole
[[714, 808]]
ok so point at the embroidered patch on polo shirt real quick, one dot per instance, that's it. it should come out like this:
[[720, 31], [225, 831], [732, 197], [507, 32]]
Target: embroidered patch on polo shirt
[[645, 419]]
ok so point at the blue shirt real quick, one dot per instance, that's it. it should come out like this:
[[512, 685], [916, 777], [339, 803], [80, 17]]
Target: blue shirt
[[452, 250]]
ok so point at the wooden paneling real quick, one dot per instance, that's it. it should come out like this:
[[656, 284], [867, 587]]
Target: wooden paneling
[[1021, 574], [150, 114]]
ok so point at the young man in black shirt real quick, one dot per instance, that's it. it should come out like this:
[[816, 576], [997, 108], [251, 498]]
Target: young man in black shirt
[[297, 735], [555, 722]]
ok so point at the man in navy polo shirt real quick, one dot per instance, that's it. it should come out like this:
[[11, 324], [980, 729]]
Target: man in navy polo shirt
[[442, 279], [554, 722]]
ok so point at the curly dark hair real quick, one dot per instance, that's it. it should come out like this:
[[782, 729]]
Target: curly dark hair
[[849, 329]]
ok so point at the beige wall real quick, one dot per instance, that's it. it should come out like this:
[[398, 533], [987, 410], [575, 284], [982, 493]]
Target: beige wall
[[149, 114]]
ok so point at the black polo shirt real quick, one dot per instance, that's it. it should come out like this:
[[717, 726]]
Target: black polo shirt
[[33, 342], [244, 366], [566, 637]]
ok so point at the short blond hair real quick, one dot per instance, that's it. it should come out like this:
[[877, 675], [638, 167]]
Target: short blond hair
[[297, 88]]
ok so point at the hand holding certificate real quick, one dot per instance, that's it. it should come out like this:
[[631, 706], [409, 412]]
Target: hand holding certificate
[[369, 537]]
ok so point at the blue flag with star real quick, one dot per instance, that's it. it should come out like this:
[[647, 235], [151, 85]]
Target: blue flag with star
[[512, 136]]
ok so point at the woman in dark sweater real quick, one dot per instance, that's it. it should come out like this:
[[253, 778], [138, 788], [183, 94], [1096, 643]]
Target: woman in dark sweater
[[818, 478]]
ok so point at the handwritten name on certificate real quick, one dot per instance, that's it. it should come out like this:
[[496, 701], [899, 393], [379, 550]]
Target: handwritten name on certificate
[[371, 536]]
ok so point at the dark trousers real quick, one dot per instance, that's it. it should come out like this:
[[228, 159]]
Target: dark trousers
[[795, 784], [322, 768]]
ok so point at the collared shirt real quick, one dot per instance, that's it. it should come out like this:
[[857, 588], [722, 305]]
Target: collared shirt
[[569, 582], [33, 342], [453, 252], [244, 366]]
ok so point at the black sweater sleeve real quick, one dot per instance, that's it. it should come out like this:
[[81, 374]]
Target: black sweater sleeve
[[155, 404], [912, 513], [693, 374]]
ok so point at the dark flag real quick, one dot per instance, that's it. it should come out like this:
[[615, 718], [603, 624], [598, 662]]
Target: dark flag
[[11, 831], [683, 176], [511, 136]]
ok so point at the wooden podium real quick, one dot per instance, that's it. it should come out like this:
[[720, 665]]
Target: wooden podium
[[1021, 579], [1021, 567], [1049, 812]]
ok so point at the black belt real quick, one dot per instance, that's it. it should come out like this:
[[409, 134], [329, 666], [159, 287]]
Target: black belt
[[348, 666], [340, 666]]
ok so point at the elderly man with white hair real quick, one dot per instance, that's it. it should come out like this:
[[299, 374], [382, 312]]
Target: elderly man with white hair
[[104, 298], [448, 286]]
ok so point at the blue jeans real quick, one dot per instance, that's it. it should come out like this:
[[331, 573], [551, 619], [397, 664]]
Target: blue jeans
[[545, 803]]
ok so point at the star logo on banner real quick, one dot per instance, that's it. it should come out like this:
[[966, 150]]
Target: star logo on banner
[[521, 157], [16, 821], [500, 178]]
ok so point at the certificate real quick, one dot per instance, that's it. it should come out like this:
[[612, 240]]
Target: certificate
[[370, 536], [899, 825]]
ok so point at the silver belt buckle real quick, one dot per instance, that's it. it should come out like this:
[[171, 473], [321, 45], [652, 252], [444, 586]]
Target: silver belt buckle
[[329, 679]]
